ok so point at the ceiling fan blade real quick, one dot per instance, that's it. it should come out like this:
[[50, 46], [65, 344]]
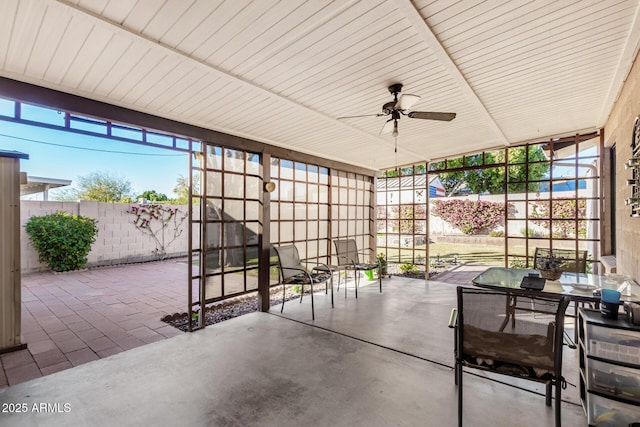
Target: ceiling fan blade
[[428, 115], [387, 128], [356, 117], [406, 101]]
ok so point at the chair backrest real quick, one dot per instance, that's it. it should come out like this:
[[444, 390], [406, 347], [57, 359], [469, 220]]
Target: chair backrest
[[288, 260], [518, 338], [575, 262], [346, 251]]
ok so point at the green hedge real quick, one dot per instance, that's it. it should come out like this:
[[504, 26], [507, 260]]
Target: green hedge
[[62, 240]]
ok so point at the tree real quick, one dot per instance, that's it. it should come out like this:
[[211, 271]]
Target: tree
[[100, 186], [492, 179], [153, 196], [181, 190]]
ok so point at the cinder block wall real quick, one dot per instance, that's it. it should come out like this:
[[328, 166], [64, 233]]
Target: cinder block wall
[[117, 242], [618, 130]]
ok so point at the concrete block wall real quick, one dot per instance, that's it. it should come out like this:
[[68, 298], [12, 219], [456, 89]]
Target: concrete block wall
[[118, 241], [618, 131]]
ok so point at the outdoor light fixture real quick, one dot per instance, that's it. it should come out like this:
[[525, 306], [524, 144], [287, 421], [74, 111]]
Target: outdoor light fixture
[[269, 187]]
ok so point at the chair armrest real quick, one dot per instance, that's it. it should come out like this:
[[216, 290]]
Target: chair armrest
[[566, 339], [367, 252], [453, 318], [294, 269], [320, 265]]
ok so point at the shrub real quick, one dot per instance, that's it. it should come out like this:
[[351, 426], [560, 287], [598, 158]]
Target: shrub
[[517, 263], [408, 268], [564, 214], [496, 233], [62, 240], [470, 216]]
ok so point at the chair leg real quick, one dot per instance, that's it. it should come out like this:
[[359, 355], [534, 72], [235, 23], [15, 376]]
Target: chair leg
[[455, 354], [547, 399], [313, 313], [380, 277], [558, 402], [356, 274], [346, 279], [459, 382], [331, 290], [283, 297]]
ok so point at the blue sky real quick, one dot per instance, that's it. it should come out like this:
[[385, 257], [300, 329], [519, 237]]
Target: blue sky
[[74, 155]]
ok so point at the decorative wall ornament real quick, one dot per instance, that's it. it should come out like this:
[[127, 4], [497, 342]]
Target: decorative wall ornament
[[634, 164]]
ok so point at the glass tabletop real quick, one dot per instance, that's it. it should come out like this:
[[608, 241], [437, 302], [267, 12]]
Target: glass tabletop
[[578, 286]]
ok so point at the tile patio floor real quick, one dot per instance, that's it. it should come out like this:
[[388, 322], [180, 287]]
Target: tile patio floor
[[73, 318]]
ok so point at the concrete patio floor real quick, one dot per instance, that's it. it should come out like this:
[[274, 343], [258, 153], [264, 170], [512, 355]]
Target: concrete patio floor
[[72, 318], [383, 359]]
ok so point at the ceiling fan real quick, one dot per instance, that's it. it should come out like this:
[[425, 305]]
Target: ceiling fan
[[400, 107]]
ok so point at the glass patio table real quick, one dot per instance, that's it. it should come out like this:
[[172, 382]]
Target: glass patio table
[[577, 286]]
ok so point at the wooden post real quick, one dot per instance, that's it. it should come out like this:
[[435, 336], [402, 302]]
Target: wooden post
[[10, 296]]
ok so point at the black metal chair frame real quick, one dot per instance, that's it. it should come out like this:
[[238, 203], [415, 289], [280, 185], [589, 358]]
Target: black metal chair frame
[[559, 339], [571, 263], [348, 257], [292, 272]]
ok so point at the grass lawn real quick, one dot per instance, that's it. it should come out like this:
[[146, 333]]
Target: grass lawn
[[470, 253], [467, 253]]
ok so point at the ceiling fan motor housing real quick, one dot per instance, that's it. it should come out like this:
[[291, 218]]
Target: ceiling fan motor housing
[[388, 107], [395, 88]]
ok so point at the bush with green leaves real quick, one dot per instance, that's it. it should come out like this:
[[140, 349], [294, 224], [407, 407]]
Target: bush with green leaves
[[408, 268], [470, 216], [62, 240]]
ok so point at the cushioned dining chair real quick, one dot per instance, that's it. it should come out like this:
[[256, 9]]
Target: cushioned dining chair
[[349, 258], [292, 272], [526, 347]]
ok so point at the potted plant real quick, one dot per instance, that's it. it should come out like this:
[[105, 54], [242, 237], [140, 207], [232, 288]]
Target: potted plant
[[382, 260], [550, 266]]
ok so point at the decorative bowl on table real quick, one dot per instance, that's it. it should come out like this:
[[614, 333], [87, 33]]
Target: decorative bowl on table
[[550, 273]]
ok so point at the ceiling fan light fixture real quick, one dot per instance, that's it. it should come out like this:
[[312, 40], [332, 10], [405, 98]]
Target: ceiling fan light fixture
[[407, 101], [395, 129], [389, 127]]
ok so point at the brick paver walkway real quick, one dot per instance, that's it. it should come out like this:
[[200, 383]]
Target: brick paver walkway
[[73, 318], [461, 275]]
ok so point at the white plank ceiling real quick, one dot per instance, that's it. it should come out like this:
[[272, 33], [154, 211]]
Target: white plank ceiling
[[283, 71]]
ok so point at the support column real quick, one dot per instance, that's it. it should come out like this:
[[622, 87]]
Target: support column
[[10, 295], [264, 239]]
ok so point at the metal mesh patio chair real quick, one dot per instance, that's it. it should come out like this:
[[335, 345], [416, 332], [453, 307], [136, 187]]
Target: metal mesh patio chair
[[574, 262], [526, 347], [292, 272], [349, 257]]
